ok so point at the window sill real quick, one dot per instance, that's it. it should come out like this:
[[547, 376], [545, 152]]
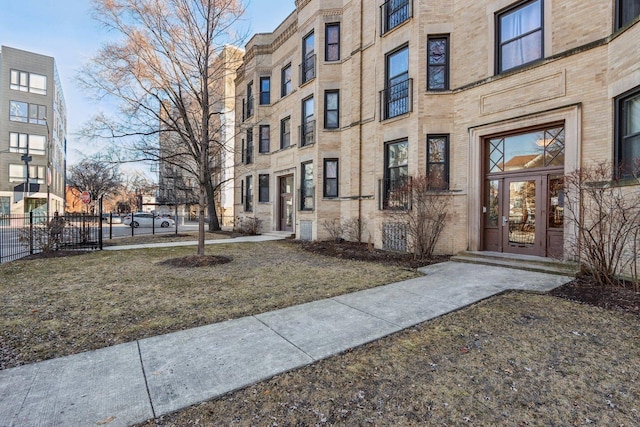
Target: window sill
[[402, 24], [307, 82], [396, 118]]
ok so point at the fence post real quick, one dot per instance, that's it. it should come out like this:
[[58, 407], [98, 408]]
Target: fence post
[[176, 218], [100, 223], [31, 232]]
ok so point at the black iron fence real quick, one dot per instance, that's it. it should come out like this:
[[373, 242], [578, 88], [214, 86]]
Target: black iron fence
[[23, 235]]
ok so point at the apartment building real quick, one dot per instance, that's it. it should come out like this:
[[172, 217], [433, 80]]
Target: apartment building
[[493, 100], [33, 126]]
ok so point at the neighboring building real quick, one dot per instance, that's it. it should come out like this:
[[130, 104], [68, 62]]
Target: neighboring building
[[33, 127], [495, 100], [178, 179]]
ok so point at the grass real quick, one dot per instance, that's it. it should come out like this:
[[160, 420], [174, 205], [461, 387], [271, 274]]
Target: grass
[[59, 306]]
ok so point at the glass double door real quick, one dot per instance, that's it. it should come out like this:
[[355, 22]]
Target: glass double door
[[524, 214]]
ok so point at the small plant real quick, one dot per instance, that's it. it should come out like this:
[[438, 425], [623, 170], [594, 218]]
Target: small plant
[[334, 229], [354, 229], [606, 215], [249, 225]]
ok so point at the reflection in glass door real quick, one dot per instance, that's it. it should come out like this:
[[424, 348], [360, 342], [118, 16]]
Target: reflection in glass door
[[521, 214], [285, 209]]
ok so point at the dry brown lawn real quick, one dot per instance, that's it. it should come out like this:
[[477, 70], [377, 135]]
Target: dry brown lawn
[[53, 307]]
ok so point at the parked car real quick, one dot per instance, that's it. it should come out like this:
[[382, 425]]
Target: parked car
[[115, 218], [145, 219]]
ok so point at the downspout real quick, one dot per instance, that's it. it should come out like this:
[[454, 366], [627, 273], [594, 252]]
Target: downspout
[[361, 100]]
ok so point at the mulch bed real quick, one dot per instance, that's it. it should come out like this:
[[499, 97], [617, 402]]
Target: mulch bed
[[196, 261], [584, 290]]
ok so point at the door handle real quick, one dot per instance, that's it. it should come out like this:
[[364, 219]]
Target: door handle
[[504, 221]]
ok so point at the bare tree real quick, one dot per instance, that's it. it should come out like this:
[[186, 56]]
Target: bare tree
[[166, 75], [97, 177]]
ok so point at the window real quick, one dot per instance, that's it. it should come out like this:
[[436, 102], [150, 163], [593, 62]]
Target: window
[[332, 42], [438, 162], [23, 143], [248, 197], [285, 132], [395, 96], [27, 113], [19, 111], [538, 149], [330, 187], [263, 188], [519, 35], [17, 173], [307, 134], [438, 63], [331, 109], [628, 133], [626, 11], [249, 102], [28, 82], [286, 80], [306, 188], [394, 13], [308, 58], [396, 175], [265, 90], [265, 138], [36, 174], [248, 157]]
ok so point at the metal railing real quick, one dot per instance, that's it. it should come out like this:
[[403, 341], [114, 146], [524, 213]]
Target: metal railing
[[394, 13], [307, 133], [394, 193], [308, 69], [23, 235], [397, 99]]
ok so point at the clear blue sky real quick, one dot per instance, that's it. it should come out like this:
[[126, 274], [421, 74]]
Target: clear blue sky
[[65, 30]]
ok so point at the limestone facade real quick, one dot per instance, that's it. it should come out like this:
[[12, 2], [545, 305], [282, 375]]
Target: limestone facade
[[461, 73]]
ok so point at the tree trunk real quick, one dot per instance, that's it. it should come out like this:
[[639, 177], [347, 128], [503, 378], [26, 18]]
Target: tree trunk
[[214, 223]]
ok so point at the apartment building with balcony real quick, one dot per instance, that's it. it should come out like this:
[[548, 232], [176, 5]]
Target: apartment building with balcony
[[33, 123], [493, 100]]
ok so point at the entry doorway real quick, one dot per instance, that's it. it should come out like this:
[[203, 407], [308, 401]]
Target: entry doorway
[[523, 209], [525, 215], [285, 205]]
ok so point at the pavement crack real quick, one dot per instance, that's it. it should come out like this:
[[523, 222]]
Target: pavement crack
[[367, 313], [285, 338], [146, 383]]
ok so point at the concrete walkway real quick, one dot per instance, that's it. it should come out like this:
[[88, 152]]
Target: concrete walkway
[[136, 381]]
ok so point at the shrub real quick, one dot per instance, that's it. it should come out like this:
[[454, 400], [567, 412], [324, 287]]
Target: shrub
[[249, 225], [334, 229]]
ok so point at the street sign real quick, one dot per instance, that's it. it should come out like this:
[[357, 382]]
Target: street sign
[[85, 197]]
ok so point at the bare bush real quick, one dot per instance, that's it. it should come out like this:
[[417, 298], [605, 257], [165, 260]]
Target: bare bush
[[424, 212], [249, 225], [355, 229], [334, 229], [606, 215]]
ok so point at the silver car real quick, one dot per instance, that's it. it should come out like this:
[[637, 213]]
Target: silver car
[[145, 219]]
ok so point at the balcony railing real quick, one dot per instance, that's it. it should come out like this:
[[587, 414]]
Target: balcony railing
[[394, 193], [307, 133], [396, 100], [308, 69], [248, 155], [394, 13]]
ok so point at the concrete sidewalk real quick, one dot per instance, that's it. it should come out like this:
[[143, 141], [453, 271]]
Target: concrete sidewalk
[[130, 383]]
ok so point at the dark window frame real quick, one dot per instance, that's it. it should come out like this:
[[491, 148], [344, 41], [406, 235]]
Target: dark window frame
[[624, 169], [396, 99], [308, 66], [326, 179], [264, 143], [621, 7], [445, 162], [498, 38], [389, 185], [387, 12], [282, 132], [327, 93], [308, 123], [304, 189], [329, 27], [265, 95], [248, 196], [446, 65], [249, 102], [248, 158], [263, 190], [286, 86]]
